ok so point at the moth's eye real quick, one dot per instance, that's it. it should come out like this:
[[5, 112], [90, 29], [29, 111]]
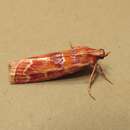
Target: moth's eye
[[102, 53]]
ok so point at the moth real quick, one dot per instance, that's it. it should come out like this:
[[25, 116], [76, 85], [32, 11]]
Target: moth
[[58, 64]]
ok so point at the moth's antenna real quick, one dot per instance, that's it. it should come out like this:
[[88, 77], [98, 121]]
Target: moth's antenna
[[71, 46]]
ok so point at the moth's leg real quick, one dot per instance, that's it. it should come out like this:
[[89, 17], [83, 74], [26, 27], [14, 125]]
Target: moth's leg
[[94, 77], [103, 74], [91, 80]]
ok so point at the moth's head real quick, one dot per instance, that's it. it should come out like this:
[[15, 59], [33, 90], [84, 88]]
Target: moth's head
[[101, 53]]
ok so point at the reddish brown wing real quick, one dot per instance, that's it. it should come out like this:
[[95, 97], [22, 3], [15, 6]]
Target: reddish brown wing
[[51, 66]]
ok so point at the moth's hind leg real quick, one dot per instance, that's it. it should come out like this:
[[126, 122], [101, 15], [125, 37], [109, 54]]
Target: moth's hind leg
[[100, 70], [91, 80]]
